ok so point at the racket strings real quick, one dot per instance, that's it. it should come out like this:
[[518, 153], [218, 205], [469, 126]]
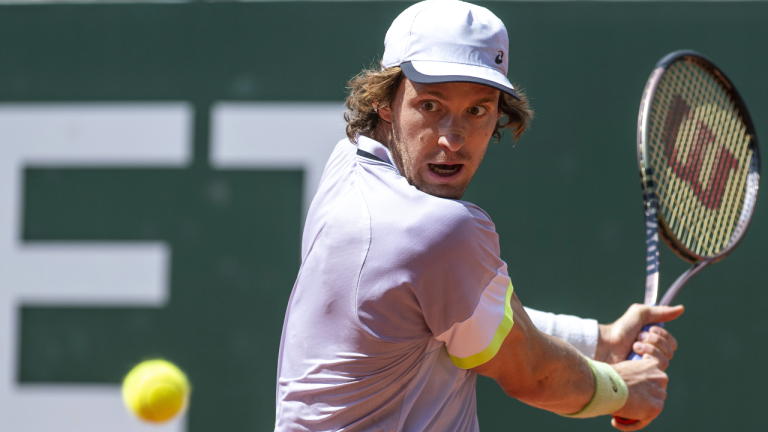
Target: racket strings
[[723, 161], [693, 159], [700, 156]]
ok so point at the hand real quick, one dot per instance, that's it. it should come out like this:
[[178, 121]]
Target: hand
[[616, 340], [647, 391]]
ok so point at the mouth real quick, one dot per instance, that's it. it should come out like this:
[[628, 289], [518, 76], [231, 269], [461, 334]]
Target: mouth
[[445, 171]]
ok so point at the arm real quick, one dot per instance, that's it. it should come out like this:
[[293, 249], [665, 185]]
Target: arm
[[538, 369], [549, 373], [611, 343]]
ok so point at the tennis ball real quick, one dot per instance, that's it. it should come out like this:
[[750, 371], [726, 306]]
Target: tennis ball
[[155, 390]]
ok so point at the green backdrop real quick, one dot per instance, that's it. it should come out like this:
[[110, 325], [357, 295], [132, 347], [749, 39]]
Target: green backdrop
[[565, 200]]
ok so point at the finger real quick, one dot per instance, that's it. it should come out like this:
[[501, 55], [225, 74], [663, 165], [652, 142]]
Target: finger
[[667, 336], [656, 340], [648, 351], [655, 314]]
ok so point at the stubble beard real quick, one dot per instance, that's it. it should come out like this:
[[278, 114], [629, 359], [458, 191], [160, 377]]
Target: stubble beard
[[405, 164]]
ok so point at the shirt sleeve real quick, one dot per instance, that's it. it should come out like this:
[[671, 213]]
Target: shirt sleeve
[[477, 339], [580, 332], [466, 305], [441, 277]]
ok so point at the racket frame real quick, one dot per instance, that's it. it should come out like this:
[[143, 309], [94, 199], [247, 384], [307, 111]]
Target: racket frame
[[655, 226]]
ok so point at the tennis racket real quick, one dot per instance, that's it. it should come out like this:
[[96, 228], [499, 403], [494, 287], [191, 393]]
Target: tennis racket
[[699, 168]]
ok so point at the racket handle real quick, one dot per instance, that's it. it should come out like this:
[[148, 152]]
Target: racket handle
[[635, 356]]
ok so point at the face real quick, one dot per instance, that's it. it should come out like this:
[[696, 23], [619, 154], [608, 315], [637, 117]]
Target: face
[[439, 133]]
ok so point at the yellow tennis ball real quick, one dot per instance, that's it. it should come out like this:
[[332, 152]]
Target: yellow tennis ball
[[155, 390]]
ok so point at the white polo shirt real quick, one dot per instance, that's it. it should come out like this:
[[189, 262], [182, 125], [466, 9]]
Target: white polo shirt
[[399, 294]]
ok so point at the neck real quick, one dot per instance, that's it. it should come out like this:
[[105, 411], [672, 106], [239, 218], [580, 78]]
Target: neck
[[383, 134]]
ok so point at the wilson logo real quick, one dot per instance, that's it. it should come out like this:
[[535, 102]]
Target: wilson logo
[[692, 169]]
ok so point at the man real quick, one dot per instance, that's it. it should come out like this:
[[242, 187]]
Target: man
[[402, 297]]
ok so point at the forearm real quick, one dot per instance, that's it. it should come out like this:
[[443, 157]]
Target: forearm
[[539, 369], [549, 373], [562, 379]]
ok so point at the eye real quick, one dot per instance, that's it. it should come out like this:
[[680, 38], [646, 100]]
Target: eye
[[429, 106], [478, 110]]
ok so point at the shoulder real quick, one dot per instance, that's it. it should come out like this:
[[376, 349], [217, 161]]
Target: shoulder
[[460, 215], [412, 228], [404, 209], [419, 229], [446, 226], [429, 261]]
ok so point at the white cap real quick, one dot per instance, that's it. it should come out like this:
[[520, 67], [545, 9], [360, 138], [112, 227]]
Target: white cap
[[438, 41]]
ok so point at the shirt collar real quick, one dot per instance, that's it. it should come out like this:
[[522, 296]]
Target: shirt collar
[[375, 148]]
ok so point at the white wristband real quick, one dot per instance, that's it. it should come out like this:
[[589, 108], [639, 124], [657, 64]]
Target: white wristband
[[610, 392]]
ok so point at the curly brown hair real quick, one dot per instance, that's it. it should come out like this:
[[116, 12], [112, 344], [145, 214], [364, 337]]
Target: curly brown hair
[[374, 88]]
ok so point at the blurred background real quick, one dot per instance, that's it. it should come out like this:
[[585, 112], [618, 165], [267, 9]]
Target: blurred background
[[157, 160]]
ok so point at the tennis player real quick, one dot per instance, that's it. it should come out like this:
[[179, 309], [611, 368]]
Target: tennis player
[[402, 297]]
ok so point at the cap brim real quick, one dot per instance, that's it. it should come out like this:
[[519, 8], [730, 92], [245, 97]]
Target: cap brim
[[431, 72]]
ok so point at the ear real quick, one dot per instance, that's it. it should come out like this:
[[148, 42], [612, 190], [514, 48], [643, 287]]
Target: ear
[[385, 113]]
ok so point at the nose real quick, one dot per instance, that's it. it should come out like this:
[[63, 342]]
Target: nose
[[451, 141]]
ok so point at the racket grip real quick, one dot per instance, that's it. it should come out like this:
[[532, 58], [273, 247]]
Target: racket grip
[[635, 356]]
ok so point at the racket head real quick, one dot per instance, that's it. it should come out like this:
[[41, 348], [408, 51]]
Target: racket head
[[698, 157]]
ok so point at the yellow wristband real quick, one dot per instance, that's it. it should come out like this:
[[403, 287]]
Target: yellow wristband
[[610, 392]]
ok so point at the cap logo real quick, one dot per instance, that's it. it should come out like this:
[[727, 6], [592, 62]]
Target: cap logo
[[499, 58]]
